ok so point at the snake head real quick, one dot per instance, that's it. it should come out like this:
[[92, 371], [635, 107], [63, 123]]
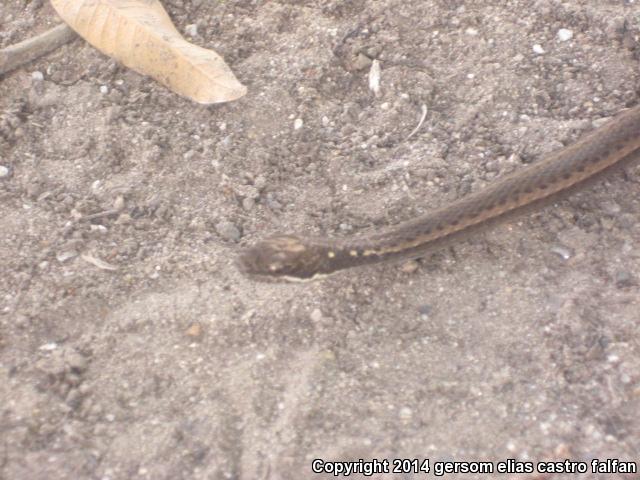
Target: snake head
[[283, 257]]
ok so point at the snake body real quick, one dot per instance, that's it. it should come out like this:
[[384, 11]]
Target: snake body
[[291, 257]]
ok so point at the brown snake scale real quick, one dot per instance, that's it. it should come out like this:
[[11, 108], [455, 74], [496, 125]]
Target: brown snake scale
[[290, 257]]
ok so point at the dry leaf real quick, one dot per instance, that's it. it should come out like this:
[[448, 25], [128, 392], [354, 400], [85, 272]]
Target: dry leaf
[[140, 34], [101, 264]]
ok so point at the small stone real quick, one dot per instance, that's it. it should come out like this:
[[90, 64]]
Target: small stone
[[104, 89], [316, 315], [228, 231], [123, 219], [248, 204], [410, 267], [76, 361], [537, 49], [4, 171], [563, 252], [192, 30], [565, 34], [361, 62], [471, 31], [325, 121], [194, 330], [624, 279], [298, 123], [405, 413], [37, 76], [260, 182], [424, 310], [118, 205]]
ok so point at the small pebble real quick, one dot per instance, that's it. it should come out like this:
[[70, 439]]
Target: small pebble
[[316, 315], [192, 30], [118, 204], [424, 310], [361, 62], [194, 330], [76, 361], [260, 182], [410, 267], [37, 76], [298, 123], [228, 231], [565, 34], [325, 121], [248, 204], [4, 171], [537, 49], [405, 413], [624, 279], [563, 252], [124, 219]]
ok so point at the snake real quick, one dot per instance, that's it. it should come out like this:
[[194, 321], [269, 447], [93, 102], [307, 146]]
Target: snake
[[299, 258]]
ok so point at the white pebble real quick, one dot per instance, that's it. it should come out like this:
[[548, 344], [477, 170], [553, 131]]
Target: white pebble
[[316, 315], [4, 171], [405, 413], [297, 124], [565, 34], [104, 89], [563, 252], [471, 31], [325, 121], [37, 76], [537, 48], [192, 30], [374, 77]]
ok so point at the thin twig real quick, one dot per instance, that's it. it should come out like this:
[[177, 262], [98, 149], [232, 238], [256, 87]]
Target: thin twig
[[24, 52], [415, 130], [105, 213]]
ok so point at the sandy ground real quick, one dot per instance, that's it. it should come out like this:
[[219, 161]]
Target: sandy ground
[[519, 343]]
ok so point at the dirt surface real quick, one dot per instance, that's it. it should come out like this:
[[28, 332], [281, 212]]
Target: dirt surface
[[519, 343]]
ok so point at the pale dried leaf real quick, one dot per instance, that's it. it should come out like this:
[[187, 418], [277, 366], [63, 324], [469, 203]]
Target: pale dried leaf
[[140, 34], [101, 264], [374, 77]]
